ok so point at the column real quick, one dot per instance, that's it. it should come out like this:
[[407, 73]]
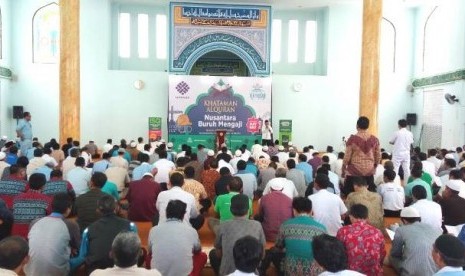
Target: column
[[69, 71], [369, 79]]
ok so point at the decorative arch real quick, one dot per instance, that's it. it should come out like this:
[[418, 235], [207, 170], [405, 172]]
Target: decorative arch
[[393, 29], [426, 35], [219, 46], [46, 34], [220, 41]]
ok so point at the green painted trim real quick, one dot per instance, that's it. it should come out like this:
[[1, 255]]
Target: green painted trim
[[5, 73], [439, 79]]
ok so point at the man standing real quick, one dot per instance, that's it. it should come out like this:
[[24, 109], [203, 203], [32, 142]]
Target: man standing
[[361, 157], [267, 133], [401, 152], [24, 133]]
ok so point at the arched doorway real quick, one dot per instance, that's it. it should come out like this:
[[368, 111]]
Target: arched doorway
[[220, 63]]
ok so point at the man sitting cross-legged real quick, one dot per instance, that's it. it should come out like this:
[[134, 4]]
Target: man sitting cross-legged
[[364, 243], [175, 246], [125, 251], [221, 258], [98, 237], [294, 242], [223, 204]]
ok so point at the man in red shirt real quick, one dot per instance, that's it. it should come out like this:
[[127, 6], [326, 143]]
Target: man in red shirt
[[142, 196], [364, 243]]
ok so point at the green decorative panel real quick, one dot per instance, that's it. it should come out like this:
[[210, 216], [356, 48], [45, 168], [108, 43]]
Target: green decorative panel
[[5, 73], [439, 79]]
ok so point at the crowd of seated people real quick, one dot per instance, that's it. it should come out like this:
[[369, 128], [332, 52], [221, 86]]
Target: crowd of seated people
[[68, 207]]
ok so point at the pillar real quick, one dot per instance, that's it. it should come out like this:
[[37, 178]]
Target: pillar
[[69, 71], [369, 79]]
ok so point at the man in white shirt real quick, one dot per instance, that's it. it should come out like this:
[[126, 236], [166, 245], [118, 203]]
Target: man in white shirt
[[235, 159], [392, 193], [118, 176], [79, 177], [175, 191], [267, 132], [328, 208], [119, 161], [430, 211], [256, 149], [402, 141], [164, 167], [289, 187], [108, 146]]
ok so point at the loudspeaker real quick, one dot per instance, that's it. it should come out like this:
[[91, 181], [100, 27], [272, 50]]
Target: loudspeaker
[[411, 119], [17, 112]]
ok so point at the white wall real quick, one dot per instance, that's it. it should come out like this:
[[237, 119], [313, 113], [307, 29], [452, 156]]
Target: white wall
[[35, 86], [449, 57], [325, 110], [5, 62]]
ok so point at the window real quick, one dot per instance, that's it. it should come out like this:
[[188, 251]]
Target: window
[[299, 41], [293, 41], [124, 35], [138, 37], [143, 35], [276, 40], [46, 34], [310, 41]]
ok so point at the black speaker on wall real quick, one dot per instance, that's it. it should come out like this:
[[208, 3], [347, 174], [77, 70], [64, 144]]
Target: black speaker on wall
[[17, 112], [411, 119]]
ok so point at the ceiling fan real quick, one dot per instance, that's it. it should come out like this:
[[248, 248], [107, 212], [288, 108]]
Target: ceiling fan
[[451, 99]]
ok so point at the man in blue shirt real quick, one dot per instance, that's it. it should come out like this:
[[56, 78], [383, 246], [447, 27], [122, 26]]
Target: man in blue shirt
[[305, 168], [24, 132]]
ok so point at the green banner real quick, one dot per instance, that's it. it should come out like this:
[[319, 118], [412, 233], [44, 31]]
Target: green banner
[[154, 127], [285, 131]]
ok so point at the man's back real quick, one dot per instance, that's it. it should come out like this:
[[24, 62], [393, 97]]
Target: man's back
[[327, 209], [9, 188], [275, 208], [365, 247], [27, 207], [413, 244], [79, 178], [49, 248], [86, 208], [296, 236], [228, 233], [393, 196], [142, 196], [176, 193], [374, 204], [418, 181], [172, 244], [100, 235], [249, 182], [430, 212], [119, 176], [453, 210], [297, 177]]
